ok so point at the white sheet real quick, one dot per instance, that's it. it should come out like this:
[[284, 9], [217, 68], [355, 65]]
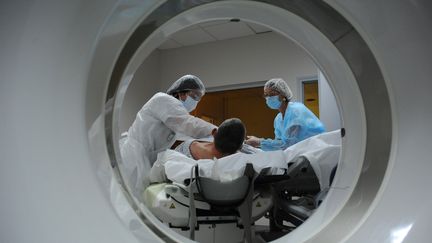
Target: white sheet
[[321, 150]]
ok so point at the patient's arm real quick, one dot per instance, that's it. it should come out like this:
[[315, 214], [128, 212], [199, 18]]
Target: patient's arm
[[195, 149], [157, 172]]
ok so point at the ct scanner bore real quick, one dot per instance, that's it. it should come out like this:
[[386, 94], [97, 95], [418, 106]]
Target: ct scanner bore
[[58, 61]]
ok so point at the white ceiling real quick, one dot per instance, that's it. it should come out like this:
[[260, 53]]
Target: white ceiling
[[212, 31]]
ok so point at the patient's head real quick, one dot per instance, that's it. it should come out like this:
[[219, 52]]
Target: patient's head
[[230, 135]]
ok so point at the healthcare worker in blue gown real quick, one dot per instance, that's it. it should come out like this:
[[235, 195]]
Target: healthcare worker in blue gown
[[155, 128], [294, 122]]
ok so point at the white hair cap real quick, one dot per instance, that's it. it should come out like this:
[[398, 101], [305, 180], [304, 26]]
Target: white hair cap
[[279, 85], [186, 83]]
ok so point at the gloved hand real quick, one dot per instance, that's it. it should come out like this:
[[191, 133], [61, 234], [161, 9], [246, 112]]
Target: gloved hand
[[253, 141]]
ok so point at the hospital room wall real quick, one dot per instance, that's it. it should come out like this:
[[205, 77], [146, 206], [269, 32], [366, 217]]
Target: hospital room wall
[[249, 59], [238, 61], [144, 84], [329, 113], [230, 62]]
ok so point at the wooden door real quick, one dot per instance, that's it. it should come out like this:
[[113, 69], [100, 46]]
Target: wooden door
[[246, 104]]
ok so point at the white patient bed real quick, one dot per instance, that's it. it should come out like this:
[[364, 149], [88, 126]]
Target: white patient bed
[[208, 202], [170, 203], [187, 200]]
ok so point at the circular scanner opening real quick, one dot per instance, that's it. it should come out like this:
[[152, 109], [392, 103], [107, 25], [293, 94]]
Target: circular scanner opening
[[233, 60], [340, 53]]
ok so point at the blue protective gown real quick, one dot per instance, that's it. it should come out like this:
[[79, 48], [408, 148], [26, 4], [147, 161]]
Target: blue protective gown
[[298, 124]]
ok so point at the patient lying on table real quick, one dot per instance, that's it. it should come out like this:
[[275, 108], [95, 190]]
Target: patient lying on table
[[228, 139], [321, 150]]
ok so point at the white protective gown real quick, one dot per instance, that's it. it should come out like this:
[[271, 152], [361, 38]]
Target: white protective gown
[[153, 131]]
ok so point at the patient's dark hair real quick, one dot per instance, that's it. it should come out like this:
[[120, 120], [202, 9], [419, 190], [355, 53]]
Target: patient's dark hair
[[230, 136]]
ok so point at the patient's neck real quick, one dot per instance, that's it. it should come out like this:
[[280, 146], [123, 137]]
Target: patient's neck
[[204, 150]]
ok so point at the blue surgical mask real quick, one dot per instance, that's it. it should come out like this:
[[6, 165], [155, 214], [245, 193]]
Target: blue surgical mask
[[273, 102], [190, 104]]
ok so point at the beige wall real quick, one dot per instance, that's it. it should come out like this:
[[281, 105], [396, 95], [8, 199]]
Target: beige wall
[[242, 60], [144, 85], [229, 62]]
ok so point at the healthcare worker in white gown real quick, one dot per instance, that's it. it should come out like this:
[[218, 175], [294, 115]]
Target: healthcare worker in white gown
[[155, 128]]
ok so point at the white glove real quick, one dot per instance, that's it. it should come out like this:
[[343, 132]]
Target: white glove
[[253, 141]]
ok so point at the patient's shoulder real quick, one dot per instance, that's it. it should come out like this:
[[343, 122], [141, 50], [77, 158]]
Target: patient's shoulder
[[202, 150], [184, 148]]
